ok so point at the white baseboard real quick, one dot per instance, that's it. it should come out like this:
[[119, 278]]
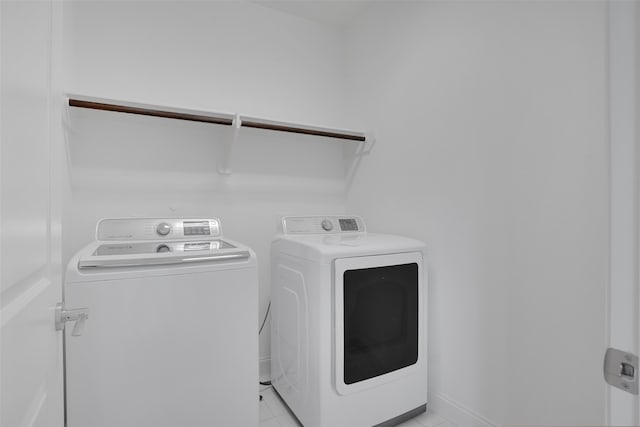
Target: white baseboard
[[264, 368], [457, 413]]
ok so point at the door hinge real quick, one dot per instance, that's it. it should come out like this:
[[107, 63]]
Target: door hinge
[[78, 315], [621, 370]]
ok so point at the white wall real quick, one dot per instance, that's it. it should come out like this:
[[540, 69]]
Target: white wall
[[491, 127], [216, 56]]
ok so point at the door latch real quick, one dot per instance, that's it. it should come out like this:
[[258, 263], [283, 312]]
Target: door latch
[[621, 370], [78, 315]]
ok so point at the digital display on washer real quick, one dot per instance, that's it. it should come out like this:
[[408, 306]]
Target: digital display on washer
[[196, 228], [348, 224]]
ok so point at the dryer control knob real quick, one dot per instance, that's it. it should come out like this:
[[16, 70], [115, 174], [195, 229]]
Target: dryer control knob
[[327, 225], [163, 248], [163, 229]]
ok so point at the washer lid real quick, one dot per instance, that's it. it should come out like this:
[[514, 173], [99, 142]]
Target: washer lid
[[131, 254], [134, 248]]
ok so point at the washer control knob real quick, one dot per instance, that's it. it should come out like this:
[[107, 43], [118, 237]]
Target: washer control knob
[[163, 248], [327, 225], [163, 228]]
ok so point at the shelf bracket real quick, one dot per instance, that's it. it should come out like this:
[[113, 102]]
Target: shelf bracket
[[367, 145], [364, 147], [224, 165]]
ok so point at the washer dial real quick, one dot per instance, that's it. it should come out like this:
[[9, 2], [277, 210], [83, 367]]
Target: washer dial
[[327, 225], [163, 228]]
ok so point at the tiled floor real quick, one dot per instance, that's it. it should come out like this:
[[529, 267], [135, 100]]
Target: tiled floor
[[273, 413]]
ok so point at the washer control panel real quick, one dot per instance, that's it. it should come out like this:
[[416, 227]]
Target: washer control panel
[[157, 229], [322, 224]]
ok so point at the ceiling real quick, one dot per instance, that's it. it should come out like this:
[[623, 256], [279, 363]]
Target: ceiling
[[335, 13]]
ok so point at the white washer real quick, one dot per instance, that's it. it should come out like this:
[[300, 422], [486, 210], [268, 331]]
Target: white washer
[[348, 337], [171, 334]]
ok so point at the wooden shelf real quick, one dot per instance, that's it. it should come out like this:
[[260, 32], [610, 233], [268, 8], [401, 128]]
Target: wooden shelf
[[235, 120], [150, 110], [253, 122]]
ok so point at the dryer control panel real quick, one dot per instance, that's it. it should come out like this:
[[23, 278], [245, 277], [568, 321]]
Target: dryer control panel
[[157, 229], [322, 224]]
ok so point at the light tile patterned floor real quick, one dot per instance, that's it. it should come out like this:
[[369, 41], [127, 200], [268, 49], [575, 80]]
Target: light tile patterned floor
[[274, 413]]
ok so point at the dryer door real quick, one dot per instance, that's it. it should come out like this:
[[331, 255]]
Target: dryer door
[[378, 319]]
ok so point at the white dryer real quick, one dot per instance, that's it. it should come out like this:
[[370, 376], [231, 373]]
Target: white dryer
[[348, 337], [170, 327]]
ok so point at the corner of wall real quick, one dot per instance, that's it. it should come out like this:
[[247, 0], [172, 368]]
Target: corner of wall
[[457, 413]]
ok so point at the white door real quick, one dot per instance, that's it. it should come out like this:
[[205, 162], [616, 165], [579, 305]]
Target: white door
[[624, 298], [31, 391]]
